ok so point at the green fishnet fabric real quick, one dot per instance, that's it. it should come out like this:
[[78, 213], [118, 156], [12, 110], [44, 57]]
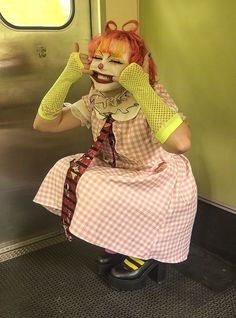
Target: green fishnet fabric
[[161, 118], [52, 103]]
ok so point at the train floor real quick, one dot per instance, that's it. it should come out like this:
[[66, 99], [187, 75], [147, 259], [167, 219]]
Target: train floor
[[59, 280]]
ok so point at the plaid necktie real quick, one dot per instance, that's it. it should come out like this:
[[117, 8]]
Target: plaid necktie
[[76, 170]]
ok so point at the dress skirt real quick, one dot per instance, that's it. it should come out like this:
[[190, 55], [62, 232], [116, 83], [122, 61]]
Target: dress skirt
[[145, 214]]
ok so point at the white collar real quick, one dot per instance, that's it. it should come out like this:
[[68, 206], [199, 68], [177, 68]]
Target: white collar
[[122, 107]]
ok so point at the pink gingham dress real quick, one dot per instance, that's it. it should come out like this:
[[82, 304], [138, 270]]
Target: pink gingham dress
[[144, 207]]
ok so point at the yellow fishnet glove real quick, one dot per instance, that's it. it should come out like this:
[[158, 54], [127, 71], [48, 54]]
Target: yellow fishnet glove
[[161, 118], [52, 102]]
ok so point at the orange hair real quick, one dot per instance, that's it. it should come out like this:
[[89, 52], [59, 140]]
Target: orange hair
[[128, 39]]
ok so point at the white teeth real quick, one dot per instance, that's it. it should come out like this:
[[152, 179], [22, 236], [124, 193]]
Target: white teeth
[[103, 77]]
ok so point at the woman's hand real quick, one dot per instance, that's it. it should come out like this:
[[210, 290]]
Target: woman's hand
[[145, 67], [85, 59]]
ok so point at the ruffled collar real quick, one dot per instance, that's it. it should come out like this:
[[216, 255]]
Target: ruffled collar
[[122, 107]]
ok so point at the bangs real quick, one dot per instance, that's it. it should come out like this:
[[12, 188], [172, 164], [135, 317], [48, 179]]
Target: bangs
[[113, 44], [114, 47]]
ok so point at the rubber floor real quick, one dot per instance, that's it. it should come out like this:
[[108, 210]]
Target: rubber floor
[[60, 281]]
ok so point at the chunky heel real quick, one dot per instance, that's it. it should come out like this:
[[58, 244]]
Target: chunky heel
[[158, 273]]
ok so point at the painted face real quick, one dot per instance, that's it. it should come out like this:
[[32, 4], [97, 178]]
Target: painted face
[[106, 65]]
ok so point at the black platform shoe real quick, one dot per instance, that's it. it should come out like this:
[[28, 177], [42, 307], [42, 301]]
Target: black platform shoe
[[132, 273], [106, 261]]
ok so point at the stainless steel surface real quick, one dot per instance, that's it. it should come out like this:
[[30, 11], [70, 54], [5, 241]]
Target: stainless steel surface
[[31, 245], [30, 62]]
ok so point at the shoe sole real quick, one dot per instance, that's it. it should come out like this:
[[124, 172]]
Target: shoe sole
[[131, 284]]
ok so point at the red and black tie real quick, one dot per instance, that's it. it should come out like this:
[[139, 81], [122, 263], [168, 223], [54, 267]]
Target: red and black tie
[[76, 170]]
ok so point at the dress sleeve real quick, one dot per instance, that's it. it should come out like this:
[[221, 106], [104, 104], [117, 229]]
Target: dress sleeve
[[80, 110]]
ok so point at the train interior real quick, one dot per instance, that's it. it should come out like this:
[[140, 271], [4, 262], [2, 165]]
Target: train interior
[[42, 273]]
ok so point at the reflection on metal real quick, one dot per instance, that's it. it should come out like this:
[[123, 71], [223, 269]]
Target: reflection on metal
[[12, 55], [14, 62], [28, 246], [98, 16], [30, 62]]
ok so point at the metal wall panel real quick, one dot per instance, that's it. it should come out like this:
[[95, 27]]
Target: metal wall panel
[[30, 62]]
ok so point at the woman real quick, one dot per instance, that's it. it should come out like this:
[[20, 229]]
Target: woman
[[137, 198]]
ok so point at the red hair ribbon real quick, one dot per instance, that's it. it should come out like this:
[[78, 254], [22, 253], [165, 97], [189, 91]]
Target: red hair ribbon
[[112, 26], [135, 27], [108, 25]]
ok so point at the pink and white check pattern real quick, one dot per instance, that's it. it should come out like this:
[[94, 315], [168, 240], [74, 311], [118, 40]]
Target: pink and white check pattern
[[145, 207]]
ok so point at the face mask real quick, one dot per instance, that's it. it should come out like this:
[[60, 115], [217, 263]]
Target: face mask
[[105, 66]]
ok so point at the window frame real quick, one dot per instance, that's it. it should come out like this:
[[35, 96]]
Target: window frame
[[29, 27]]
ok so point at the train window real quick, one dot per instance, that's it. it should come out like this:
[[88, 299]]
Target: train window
[[37, 14]]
